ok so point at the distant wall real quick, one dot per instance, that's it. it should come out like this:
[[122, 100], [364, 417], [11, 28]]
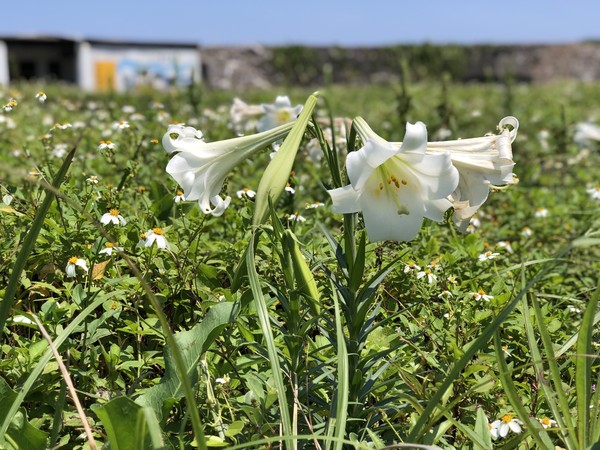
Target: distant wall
[[261, 67]]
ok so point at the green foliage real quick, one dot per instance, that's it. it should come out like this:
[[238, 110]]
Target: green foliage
[[296, 332]]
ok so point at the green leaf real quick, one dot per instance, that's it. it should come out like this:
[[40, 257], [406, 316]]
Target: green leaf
[[43, 362], [127, 425], [234, 428], [193, 343], [278, 171], [305, 281], [20, 434], [583, 370], [29, 242]]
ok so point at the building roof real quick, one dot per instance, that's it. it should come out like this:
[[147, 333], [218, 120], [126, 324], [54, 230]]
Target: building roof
[[52, 39]]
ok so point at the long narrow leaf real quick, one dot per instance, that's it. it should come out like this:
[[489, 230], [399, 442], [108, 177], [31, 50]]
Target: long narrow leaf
[[419, 428], [583, 371], [278, 171], [562, 410], [39, 367], [537, 432], [343, 382], [263, 316], [29, 241]]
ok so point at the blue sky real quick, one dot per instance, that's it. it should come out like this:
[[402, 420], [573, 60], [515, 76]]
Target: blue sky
[[310, 22]]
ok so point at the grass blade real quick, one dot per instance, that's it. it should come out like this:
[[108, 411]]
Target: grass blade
[[337, 426], [39, 367], [561, 411], [277, 173], [470, 350], [263, 316], [583, 371], [29, 241]]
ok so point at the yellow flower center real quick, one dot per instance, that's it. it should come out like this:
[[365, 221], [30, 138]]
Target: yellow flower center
[[110, 245], [73, 259], [391, 185], [545, 421], [179, 193], [506, 418], [283, 116], [481, 292], [154, 141], [157, 231], [113, 212], [143, 236]]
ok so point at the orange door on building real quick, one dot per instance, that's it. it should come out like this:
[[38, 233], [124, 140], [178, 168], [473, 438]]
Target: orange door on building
[[105, 75]]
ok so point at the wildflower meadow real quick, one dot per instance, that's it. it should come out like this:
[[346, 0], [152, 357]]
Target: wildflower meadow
[[343, 267]]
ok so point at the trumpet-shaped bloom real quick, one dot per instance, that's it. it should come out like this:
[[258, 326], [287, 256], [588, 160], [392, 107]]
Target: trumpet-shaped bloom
[[200, 168], [243, 117], [482, 163], [278, 113], [395, 187]]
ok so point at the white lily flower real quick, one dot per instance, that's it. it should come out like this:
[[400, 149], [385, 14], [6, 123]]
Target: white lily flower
[[396, 186], [201, 167], [585, 132], [243, 117], [278, 113], [482, 163]]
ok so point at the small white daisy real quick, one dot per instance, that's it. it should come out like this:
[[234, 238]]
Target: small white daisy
[[541, 213], [314, 205], [110, 247], [526, 232], [223, 380], [156, 235], [547, 422], [411, 267], [481, 295], [92, 179], [247, 193], [506, 245], [113, 216], [41, 96], [594, 193], [106, 145], [296, 218], [487, 256], [62, 126], [121, 125], [72, 264], [431, 277], [179, 197], [506, 423], [290, 189]]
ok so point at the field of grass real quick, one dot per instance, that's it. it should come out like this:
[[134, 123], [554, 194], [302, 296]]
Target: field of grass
[[278, 332]]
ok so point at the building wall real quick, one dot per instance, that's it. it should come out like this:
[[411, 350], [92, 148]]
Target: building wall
[[49, 60], [121, 67], [4, 75]]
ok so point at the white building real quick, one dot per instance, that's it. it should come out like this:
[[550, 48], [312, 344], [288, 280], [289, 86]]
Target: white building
[[100, 65]]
